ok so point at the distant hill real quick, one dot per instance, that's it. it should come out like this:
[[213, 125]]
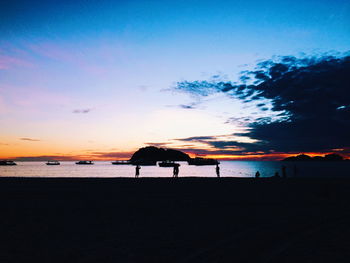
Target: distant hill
[[326, 158], [152, 153]]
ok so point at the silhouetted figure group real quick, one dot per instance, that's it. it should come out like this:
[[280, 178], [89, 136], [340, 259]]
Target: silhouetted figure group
[[276, 175], [284, 173], [175, 171], [217, 170]]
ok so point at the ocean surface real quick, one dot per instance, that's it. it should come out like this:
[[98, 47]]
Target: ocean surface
[[227, 169]]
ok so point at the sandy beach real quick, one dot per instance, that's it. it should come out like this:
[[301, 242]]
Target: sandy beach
[[181, 220]]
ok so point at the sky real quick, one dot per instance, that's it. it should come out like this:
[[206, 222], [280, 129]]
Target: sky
[[100, 79]]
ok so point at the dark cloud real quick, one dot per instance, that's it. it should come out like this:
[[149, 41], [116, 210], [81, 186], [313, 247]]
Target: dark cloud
[[184, 106], [82, 110], [199, 88], [224, 146], [196, 138], [312, 95], [189, 106], [29, 139]]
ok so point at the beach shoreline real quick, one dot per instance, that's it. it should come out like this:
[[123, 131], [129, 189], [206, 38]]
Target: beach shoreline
[[174, 220]]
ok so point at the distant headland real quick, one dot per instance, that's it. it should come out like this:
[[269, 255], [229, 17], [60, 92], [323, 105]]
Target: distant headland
[[326, 158]]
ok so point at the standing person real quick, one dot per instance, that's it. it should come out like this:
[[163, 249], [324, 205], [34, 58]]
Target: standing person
[[295, 170], [217, 170], [257, 174], [137, 171], [284, 172], [176, 171]]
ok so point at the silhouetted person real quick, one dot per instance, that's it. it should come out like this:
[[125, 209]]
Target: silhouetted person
[[137, 171], [284, 171], [277, 175], [177, 171], [295, 170], [217, 170], [257, 174]]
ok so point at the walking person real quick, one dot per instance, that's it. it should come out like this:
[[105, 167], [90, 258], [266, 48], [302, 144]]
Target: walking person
[[176, 171], [137, 171], [284, 171], [217, 170], [295, 170]]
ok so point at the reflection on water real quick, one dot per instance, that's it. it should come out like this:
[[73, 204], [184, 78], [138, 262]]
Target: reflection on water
[[228, 168]]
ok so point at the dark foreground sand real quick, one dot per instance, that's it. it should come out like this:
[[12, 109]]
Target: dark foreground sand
[[166, 220]]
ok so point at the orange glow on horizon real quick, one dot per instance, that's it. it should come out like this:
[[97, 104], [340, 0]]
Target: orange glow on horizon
[[111, 156], [256, 157]]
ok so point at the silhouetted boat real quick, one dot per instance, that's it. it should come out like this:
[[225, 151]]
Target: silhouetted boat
[[84, 162], [121, 162], [53, 163], [168, 164], [7, 162], [144, 162], [202, 161]]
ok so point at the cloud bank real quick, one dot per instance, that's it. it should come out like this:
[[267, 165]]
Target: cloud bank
[[310, 95]]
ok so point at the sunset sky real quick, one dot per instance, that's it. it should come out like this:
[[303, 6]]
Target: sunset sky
[[100, 79]]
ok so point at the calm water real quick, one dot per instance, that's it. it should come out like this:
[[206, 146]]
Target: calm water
[[228, 168]]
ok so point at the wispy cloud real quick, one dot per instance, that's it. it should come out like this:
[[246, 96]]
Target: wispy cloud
[[71, 56], [7, 61], [12, 98], [82, 110], [158, 144], [187, 106], [29, 139]]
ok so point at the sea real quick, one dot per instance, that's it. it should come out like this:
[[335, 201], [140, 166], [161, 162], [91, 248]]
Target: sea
[[227, 169]]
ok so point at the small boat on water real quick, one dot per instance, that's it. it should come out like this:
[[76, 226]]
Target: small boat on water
[[168, 164], [121, 162], [144, 162], [202, 161], [85, 162], [7, 162], [53, 163]]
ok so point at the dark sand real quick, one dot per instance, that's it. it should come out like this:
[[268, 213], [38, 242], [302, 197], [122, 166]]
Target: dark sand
[[181, 220]]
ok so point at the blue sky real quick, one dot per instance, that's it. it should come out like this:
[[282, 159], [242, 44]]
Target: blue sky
[[118, 60]]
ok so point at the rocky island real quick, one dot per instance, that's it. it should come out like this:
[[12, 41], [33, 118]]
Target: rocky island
[[154, 154], [304, 157]]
